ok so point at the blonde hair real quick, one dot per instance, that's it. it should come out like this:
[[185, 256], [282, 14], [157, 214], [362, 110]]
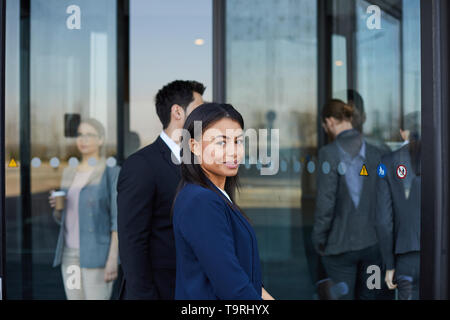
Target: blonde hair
[[100, 129]]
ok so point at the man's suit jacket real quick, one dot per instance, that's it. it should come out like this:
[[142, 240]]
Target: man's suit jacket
[[339, 226], [146, 189], [217, 251], [398, 216]]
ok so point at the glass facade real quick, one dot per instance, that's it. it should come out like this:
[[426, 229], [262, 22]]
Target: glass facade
[[65, 73], [285, 61], [272, 77]]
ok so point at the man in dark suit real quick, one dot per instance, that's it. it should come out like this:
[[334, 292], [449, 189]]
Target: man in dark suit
[[146, 188], [398, 214]]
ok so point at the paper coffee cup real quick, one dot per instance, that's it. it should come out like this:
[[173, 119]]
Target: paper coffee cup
[[60, 197]]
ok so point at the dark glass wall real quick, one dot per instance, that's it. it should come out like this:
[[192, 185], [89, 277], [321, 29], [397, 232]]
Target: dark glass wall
[[278, 62]]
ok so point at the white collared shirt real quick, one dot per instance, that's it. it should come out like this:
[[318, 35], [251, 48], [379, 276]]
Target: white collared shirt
[[173, 146], [225, 194]]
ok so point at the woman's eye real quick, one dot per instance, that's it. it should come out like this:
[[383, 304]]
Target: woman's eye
[[221, 143], [239, 141]]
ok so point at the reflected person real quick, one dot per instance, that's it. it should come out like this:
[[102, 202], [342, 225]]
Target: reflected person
[[344, 229], [87, 239], [398, 213], [216, 246], [359, 119]]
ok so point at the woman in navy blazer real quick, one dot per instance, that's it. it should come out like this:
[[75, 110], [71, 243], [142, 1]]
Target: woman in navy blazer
[[216, 248]]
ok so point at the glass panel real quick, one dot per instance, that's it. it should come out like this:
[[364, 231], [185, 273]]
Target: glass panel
[[169, 40], [339, 65], [310, 234], [71, 121], [378, 69], [12, 148], [272, 80]]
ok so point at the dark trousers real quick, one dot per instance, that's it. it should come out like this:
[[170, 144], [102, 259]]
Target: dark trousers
[[407, 273], [350, 268], [164, 282]]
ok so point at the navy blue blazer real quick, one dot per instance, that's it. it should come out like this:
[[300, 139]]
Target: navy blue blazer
[[216, 249]]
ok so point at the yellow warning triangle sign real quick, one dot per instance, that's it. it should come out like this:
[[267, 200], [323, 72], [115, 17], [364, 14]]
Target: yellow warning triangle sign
[[364, 172], [12, 163]]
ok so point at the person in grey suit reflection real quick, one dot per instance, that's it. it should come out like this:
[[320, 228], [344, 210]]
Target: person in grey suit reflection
[[327, 290], [344, 229], [355, 99], [398, 213]]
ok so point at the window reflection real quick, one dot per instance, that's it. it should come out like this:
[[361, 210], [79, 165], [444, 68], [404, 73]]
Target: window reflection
[[272, 77], [373, 72], [379, 73], [169, 40], [273, 67], [71, 75]]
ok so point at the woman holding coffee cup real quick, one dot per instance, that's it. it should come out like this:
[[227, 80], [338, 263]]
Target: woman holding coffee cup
[[85, 208]]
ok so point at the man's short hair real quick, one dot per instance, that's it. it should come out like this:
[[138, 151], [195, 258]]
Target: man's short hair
[[177, 92]]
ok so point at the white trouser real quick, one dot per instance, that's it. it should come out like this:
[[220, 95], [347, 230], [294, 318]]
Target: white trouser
[[83, 283]]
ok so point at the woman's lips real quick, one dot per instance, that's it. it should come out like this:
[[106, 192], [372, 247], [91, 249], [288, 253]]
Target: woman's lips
[[232, 165]]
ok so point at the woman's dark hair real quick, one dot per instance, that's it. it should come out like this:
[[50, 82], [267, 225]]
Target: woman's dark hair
[[337, 109], [191, 172], [355, 100]]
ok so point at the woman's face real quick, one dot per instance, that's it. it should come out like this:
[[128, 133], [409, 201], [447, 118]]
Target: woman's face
[[222, 148], [88, 141]]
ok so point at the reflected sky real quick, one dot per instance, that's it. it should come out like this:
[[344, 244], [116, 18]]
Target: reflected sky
[[272, 66], [163, 49]]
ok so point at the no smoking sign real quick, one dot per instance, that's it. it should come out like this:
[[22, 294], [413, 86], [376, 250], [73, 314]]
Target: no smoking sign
[[401, 172]]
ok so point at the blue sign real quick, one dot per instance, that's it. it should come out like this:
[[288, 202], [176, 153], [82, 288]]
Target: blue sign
[[381, 171]]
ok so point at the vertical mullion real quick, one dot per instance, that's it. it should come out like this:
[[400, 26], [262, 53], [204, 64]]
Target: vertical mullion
[[435, 142], [219, 50], [324, 64], [123, 76], [25, 150], [2, 150]]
